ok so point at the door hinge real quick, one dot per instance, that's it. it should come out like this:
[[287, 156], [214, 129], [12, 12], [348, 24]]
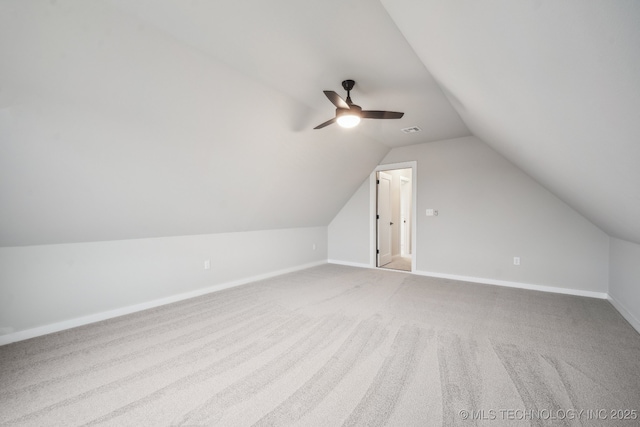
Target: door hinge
[[377, 251], [377, 181], [377, 216]]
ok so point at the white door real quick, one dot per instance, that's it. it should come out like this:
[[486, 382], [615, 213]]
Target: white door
[[384, 219]]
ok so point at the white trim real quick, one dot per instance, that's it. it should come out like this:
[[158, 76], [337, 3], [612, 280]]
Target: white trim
[[629, 317], [349, 263], [394, 166], [80, 321], [413, 165], [519, 285], [403, 181], [97, 317], [372, 220], [505, 283]]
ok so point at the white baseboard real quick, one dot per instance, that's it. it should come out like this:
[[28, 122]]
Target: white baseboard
[[519, 285], [629, 317], [92, 318], [348, 263], [80, 321], [635, 322]]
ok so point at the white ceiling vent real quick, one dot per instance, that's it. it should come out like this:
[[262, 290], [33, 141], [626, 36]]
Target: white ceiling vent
[[412, 129]]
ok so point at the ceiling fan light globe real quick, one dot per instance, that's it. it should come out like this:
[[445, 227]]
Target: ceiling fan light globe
[[348, 120]]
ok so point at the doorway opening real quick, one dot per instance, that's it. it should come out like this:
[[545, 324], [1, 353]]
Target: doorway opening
[[394, 212]]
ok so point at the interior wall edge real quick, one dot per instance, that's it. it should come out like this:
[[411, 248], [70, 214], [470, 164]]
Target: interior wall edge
[[625, 312], [110, 314], [485, 281], [617, 305], [52, 284], [349, 263], [518, 285], [624, 279]]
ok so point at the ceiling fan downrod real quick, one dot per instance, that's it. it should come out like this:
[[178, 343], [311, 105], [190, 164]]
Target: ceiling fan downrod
[[348, 85]]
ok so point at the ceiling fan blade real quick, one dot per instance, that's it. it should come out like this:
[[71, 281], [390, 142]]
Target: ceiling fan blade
[[327, 123], [335, 99], [381, 114]]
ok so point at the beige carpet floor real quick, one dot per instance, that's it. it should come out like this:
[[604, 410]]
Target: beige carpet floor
[[332, 346]]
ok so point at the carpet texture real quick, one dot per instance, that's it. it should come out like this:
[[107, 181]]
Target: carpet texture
[[330, 346]]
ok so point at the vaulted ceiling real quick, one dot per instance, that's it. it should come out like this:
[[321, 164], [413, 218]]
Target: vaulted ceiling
[[552, 85], [125, 119]]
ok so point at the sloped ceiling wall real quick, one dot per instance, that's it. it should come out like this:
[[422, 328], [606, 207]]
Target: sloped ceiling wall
[[123, 120], [552, 85], [127, 119]]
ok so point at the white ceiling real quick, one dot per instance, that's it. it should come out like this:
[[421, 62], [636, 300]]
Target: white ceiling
[[301, 48], [552, 85], [144, 118]]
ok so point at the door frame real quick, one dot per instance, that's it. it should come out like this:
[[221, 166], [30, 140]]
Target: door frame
[[403, 225], [413, 165], [380, 244]]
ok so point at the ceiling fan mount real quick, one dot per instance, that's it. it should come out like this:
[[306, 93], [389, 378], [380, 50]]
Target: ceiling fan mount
[[349, 114], [348, 85]]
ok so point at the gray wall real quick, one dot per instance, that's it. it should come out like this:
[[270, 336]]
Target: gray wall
[[97, 145], [624, 279], [49, 284], [489, 212], [349, 230]]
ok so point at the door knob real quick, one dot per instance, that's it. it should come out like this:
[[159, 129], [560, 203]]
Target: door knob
[[390, 223]]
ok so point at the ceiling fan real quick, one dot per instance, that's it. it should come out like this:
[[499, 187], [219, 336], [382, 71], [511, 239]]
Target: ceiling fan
[[349, 114]]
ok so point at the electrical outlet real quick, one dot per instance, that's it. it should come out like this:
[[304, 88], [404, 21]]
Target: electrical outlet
[[516, 260], [207, 264]]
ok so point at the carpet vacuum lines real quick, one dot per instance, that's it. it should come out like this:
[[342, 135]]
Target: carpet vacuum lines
[[186, 359], [153, 328], [357, 347], [214, 408], [42, 387], [379, 402], [104, 329]]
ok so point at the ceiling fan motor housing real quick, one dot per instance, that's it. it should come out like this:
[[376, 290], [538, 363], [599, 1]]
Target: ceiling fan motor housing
[[348, 84]]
